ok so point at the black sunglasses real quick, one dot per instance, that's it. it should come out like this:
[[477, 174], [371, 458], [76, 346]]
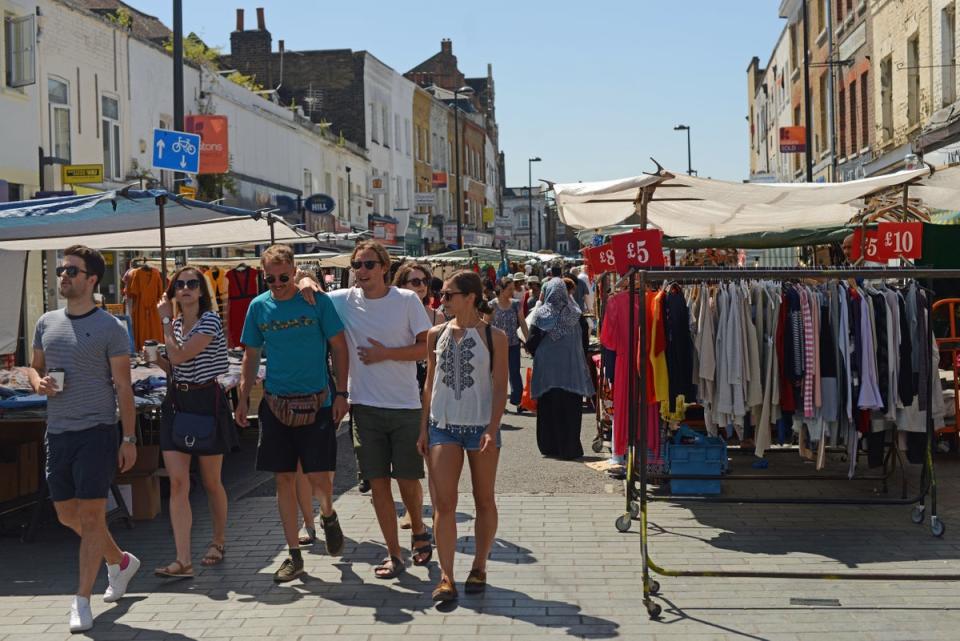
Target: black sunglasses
[[448, 295], [283, 278], [193, 283], [416, 282], [366, 264], [71, 271]]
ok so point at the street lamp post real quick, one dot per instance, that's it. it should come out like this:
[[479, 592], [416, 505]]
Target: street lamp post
[[530, 162], [466, 91], [689, 161], [349, 199]]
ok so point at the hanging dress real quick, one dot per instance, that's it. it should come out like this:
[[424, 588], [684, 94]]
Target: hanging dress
[[242, 284], [144, 291]]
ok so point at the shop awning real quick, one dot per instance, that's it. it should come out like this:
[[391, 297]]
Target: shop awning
[[687, 206], [129, 220], [489, 255]]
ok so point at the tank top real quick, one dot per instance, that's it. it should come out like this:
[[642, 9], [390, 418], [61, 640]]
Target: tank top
[[507, 320], [462, 381]]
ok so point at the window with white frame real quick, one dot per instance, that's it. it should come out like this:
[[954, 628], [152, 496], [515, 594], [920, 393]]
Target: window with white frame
[[110, 135], [409, 203], [307, 182], [327, 182], [374, 131], [406, 134], [398, 135], [19, 46], [398, 196], [341, 203], [58, 95], [385, 120]]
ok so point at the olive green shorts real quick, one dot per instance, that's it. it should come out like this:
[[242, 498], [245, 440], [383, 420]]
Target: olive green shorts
[[385, 441]]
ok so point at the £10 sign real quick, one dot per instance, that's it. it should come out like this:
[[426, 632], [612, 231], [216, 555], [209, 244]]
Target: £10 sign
[[640, 248]]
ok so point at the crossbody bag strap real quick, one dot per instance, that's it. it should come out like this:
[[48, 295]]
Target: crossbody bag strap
[[443, 328], [489, 333]]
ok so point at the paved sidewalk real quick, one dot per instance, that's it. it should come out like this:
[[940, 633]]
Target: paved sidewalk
[[559, 569]]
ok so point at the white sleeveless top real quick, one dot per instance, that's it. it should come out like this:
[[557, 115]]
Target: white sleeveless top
[[462, 381]]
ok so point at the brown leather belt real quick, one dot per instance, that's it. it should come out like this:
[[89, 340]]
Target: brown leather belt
[[187, 387]]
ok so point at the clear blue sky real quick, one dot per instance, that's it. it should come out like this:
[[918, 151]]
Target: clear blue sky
[[594, 88]]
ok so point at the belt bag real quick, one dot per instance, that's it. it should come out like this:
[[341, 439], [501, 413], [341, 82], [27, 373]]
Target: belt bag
[[296, 411], [191, 432]]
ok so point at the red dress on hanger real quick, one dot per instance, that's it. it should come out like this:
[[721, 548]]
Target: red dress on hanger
[[242, 287]]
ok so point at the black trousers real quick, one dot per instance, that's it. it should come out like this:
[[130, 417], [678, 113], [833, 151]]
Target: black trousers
[[559, 414]]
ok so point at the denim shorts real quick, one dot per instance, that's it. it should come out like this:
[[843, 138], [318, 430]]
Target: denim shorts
[[466, 436], [82, 465]]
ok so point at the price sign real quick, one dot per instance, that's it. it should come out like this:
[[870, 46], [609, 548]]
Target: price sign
[[900, 240], [601, 259], [872, 245], [639, 248]]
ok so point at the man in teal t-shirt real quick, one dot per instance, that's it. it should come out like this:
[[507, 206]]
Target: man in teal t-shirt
[[296, 335]]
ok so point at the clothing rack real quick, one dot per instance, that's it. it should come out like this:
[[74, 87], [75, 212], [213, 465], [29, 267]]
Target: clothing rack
[[637, 498]]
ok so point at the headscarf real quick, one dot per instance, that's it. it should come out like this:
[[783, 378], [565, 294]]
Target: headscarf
[[558, 315]]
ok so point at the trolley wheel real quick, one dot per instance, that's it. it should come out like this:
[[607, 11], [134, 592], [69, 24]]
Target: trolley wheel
[[917, 514], [654, 586], [937, 527], [653, 609], [634, 509], [623, 523], [597, 445]]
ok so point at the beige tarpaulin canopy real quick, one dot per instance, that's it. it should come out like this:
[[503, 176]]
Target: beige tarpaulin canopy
[[682, 205]]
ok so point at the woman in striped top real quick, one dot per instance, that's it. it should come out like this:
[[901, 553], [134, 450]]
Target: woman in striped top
[[196, 356]]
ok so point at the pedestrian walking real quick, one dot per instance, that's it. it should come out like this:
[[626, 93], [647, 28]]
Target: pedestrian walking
[[195, 414], [531, 296], [505, 315], [465, 397], [81, 362], [386, 330], [560, 378], [297, 419]]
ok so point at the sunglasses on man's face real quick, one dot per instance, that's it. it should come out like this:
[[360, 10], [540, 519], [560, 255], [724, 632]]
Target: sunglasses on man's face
[[193, 283], [416, 282], [69, 270], [283, 278], [366, 264]]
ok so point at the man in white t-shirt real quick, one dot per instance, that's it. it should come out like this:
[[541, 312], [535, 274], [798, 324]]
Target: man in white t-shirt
[[386, 331]]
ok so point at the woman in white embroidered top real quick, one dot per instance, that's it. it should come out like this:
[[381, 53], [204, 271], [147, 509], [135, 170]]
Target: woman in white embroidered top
[[196, 354], [463, 402]]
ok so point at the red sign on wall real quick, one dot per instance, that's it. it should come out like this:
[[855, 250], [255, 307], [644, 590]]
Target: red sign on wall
[[639, 248], [214, 151], [890, 240]]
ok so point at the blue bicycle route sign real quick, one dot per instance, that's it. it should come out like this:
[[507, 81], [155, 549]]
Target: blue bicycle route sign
[[176, 151]]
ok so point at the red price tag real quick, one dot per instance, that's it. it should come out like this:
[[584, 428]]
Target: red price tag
[[900, 240], [872, 246], [587, 263], [639, 248], [601, 259]]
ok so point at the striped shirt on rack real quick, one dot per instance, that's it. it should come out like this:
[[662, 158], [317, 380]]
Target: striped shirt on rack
[[209, 363]]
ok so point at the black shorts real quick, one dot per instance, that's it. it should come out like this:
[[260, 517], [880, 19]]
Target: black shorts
[[82, 465], [281, 447]]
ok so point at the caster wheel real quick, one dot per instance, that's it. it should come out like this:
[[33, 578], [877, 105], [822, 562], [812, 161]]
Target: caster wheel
[[654, 610], [917, 515], [623, 523], [654, 587], [634, 509], [937, 527], [597, 446]]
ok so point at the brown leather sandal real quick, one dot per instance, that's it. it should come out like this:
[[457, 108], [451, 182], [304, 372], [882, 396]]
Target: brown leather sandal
[[175, 570], [445, 591], [476, 582], [214, 556]]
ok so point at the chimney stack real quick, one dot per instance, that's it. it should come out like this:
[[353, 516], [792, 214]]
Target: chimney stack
[[261, 21], [446, 46], [239, 19]]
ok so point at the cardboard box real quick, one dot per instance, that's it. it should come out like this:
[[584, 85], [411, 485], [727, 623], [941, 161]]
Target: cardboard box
[[146, 494]]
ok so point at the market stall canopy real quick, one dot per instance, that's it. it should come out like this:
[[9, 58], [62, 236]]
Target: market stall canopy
[[694, 207], [128, 219], [489, 255], [941, 190]]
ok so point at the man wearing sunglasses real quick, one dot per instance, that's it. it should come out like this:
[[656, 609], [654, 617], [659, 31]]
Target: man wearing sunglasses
[[387, 334], [295, 334], [91, 350]]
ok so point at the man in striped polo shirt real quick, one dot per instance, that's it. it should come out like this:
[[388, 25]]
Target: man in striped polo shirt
[[81, 362]]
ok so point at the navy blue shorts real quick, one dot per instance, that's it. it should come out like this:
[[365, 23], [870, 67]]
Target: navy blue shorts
[[82, 465]]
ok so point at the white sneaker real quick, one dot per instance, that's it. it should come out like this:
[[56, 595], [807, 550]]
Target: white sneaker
[[81, 617], [119, 579]]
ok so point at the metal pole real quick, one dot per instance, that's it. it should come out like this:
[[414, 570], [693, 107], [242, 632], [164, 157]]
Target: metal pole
[[161, 201], [530, 199], [273, 240], [349, 198], [689, 157], [177, 78], [456, 127], [808, 135]]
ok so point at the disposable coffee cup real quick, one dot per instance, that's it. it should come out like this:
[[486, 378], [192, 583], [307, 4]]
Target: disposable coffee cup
[[57, 375], [151, 347]]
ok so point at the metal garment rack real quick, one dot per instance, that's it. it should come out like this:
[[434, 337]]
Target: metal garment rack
[[637, 510]]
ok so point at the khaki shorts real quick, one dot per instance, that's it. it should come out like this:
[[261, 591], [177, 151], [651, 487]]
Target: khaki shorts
[[385, 441]]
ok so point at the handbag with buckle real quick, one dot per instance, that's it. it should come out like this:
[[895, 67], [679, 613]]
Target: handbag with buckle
[[193, 433], [296, 411]]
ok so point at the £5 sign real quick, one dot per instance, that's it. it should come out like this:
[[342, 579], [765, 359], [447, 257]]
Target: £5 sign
[[889, 240], [639, 248]]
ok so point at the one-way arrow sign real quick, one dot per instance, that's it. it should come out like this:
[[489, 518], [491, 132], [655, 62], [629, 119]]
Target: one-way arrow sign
[[176, 151]]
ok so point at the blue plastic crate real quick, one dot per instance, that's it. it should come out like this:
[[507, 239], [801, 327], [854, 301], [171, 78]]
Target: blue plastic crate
[[706, 457]]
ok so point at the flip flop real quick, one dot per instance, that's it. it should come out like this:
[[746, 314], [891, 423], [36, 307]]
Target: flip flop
[[175, 570]]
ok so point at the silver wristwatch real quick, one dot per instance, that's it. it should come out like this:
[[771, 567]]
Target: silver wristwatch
[[165, 320], [132, 439]]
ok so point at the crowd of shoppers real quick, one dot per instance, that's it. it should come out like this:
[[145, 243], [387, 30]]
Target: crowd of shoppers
[[420, 365]]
